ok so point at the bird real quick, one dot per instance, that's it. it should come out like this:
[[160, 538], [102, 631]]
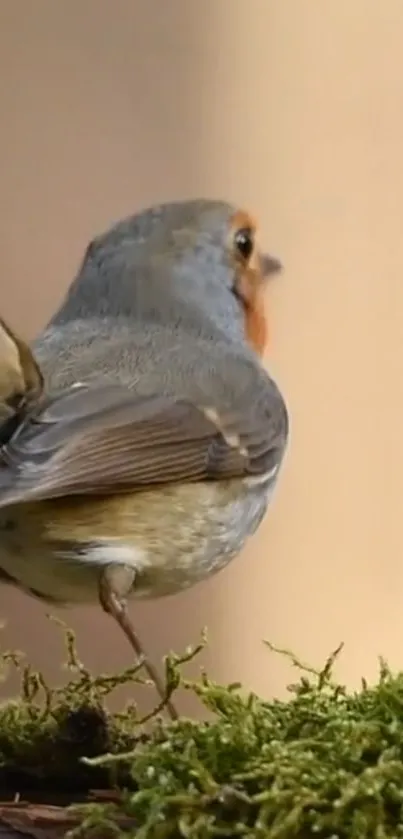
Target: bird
[[21, 381], [146, 435]]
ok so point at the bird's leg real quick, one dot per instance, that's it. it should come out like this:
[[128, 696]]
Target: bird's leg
[[115, 584]]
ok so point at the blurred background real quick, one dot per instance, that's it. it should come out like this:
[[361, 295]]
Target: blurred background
[[294, 110]]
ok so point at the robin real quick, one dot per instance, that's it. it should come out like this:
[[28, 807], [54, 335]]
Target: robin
[[21, 381], [155, 437]]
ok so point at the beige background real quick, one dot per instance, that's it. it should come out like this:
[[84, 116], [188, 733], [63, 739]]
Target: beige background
[[296, 111]]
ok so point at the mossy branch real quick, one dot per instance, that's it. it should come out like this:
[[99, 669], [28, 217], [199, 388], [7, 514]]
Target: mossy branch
[[327, 763]]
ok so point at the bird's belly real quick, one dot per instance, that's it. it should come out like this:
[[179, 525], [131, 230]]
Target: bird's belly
[[173, 536]]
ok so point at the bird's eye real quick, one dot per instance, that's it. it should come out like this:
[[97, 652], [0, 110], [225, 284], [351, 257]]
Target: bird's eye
[[244, 242]]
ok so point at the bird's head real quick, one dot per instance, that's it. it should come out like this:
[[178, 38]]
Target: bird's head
[[195, 262]]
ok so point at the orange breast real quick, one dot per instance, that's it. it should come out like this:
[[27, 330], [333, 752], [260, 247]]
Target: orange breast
[[252, 290]]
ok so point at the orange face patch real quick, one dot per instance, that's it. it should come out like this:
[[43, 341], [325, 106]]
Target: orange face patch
[[256, 320], [250, 284]]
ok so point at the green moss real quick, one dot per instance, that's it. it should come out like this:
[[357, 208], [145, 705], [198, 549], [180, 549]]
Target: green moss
[[328, 763]]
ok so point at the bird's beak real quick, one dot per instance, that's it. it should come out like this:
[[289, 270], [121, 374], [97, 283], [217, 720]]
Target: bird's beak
[[270, 265]]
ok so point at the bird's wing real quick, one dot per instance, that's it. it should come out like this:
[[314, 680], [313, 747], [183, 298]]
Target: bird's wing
[[91, 441]]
